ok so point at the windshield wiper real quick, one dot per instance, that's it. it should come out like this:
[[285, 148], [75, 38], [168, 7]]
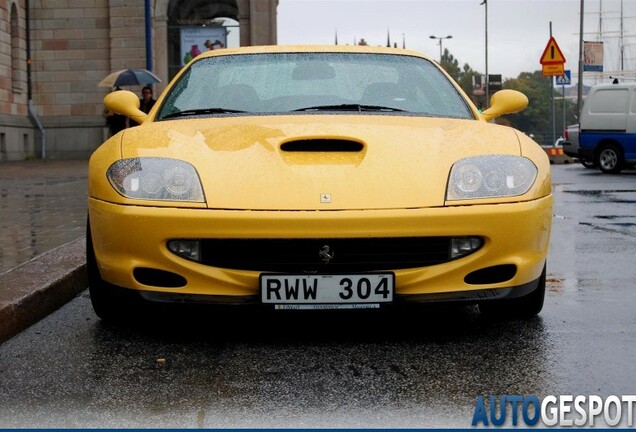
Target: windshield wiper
[[349, 107], [201, 111]]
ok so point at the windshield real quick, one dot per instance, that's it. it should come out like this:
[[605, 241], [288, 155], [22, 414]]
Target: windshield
[[305, 82]]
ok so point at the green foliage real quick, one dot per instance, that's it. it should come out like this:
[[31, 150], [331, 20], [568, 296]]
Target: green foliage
[[536, 119], [451, 65], [463, 76], [537, 116]]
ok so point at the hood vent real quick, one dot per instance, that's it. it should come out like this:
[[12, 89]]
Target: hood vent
[[322, 145]]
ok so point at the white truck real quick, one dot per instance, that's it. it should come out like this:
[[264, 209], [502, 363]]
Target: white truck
[[606, 135]]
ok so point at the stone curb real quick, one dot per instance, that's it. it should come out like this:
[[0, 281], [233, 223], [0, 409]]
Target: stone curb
[[37, 288]]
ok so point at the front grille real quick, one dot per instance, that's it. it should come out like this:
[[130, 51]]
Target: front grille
[[343, 255]]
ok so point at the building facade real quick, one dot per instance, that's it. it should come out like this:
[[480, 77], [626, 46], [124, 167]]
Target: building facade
[[54, 53]]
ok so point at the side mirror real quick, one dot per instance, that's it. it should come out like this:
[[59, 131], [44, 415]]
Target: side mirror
[[125, 102], [505, 102]]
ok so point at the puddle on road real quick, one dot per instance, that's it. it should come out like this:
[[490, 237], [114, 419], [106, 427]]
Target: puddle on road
[[37, 216], [622, 228], [600, 192], [607, 194], [612, 217]]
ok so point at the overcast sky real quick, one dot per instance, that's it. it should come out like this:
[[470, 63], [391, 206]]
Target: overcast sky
[[518, 30]]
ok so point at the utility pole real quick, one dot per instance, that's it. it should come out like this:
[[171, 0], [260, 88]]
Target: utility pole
[[621, 41], [579, 98], [552, 98], [487, 83], [563, 107]]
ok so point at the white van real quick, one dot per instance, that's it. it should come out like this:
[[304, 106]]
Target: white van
[[607, 133]]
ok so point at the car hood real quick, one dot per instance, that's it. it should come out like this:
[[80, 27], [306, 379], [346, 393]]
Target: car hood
[[359, 162]]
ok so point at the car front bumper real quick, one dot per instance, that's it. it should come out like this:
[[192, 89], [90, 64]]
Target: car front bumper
[[516, 235]]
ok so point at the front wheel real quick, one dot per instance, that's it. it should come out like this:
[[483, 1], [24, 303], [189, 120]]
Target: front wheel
[[610, 159], [524, 307]]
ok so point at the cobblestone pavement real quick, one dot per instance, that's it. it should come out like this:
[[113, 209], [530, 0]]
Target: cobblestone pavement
[[42, 206]]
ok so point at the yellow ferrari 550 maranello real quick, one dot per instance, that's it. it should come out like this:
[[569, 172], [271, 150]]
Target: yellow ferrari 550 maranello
[[333, 177]]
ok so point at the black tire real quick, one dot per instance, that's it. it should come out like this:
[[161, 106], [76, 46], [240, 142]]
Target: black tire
[[610, 159], [525, 307], [108, 300]]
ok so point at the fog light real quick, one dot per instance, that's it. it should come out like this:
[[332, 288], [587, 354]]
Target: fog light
[[188, 249], [462, 246]]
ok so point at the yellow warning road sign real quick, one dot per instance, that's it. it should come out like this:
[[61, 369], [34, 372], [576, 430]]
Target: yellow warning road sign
[[552, 54], [553, 70]]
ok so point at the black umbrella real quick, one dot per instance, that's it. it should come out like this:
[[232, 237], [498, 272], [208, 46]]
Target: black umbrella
[[129, 77]]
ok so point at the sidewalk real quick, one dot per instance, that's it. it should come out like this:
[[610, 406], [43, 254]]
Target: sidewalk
[[43, 222]]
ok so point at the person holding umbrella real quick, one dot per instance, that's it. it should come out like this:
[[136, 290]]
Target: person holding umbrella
[[145, 103], [129, 77], [115, 122]]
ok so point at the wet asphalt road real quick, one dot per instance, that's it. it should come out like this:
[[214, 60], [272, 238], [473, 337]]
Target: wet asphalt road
[[424, 368]]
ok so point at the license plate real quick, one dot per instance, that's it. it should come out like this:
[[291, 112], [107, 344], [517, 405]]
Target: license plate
[[347, 291]]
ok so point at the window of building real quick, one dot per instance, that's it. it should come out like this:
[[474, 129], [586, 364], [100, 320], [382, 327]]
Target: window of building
[[195, 26], [15, 50]]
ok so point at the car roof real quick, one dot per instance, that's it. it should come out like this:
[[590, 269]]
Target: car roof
[[266, 49], [629, 85]]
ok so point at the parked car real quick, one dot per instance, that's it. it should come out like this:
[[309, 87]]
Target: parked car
[[333, 177]]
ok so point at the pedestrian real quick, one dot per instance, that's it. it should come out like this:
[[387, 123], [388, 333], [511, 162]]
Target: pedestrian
[[115, 122], [145, 103]]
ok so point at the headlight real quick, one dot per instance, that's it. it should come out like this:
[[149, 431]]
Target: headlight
[[490, 176], [156, 179]]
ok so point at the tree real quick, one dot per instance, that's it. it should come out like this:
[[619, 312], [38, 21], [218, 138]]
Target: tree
[[467, 81], [450, 65], [463, 76], [537, 115], [536, 119]]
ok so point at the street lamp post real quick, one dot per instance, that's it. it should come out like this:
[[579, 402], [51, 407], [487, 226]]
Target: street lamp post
[[487, 84], [440, 44]]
